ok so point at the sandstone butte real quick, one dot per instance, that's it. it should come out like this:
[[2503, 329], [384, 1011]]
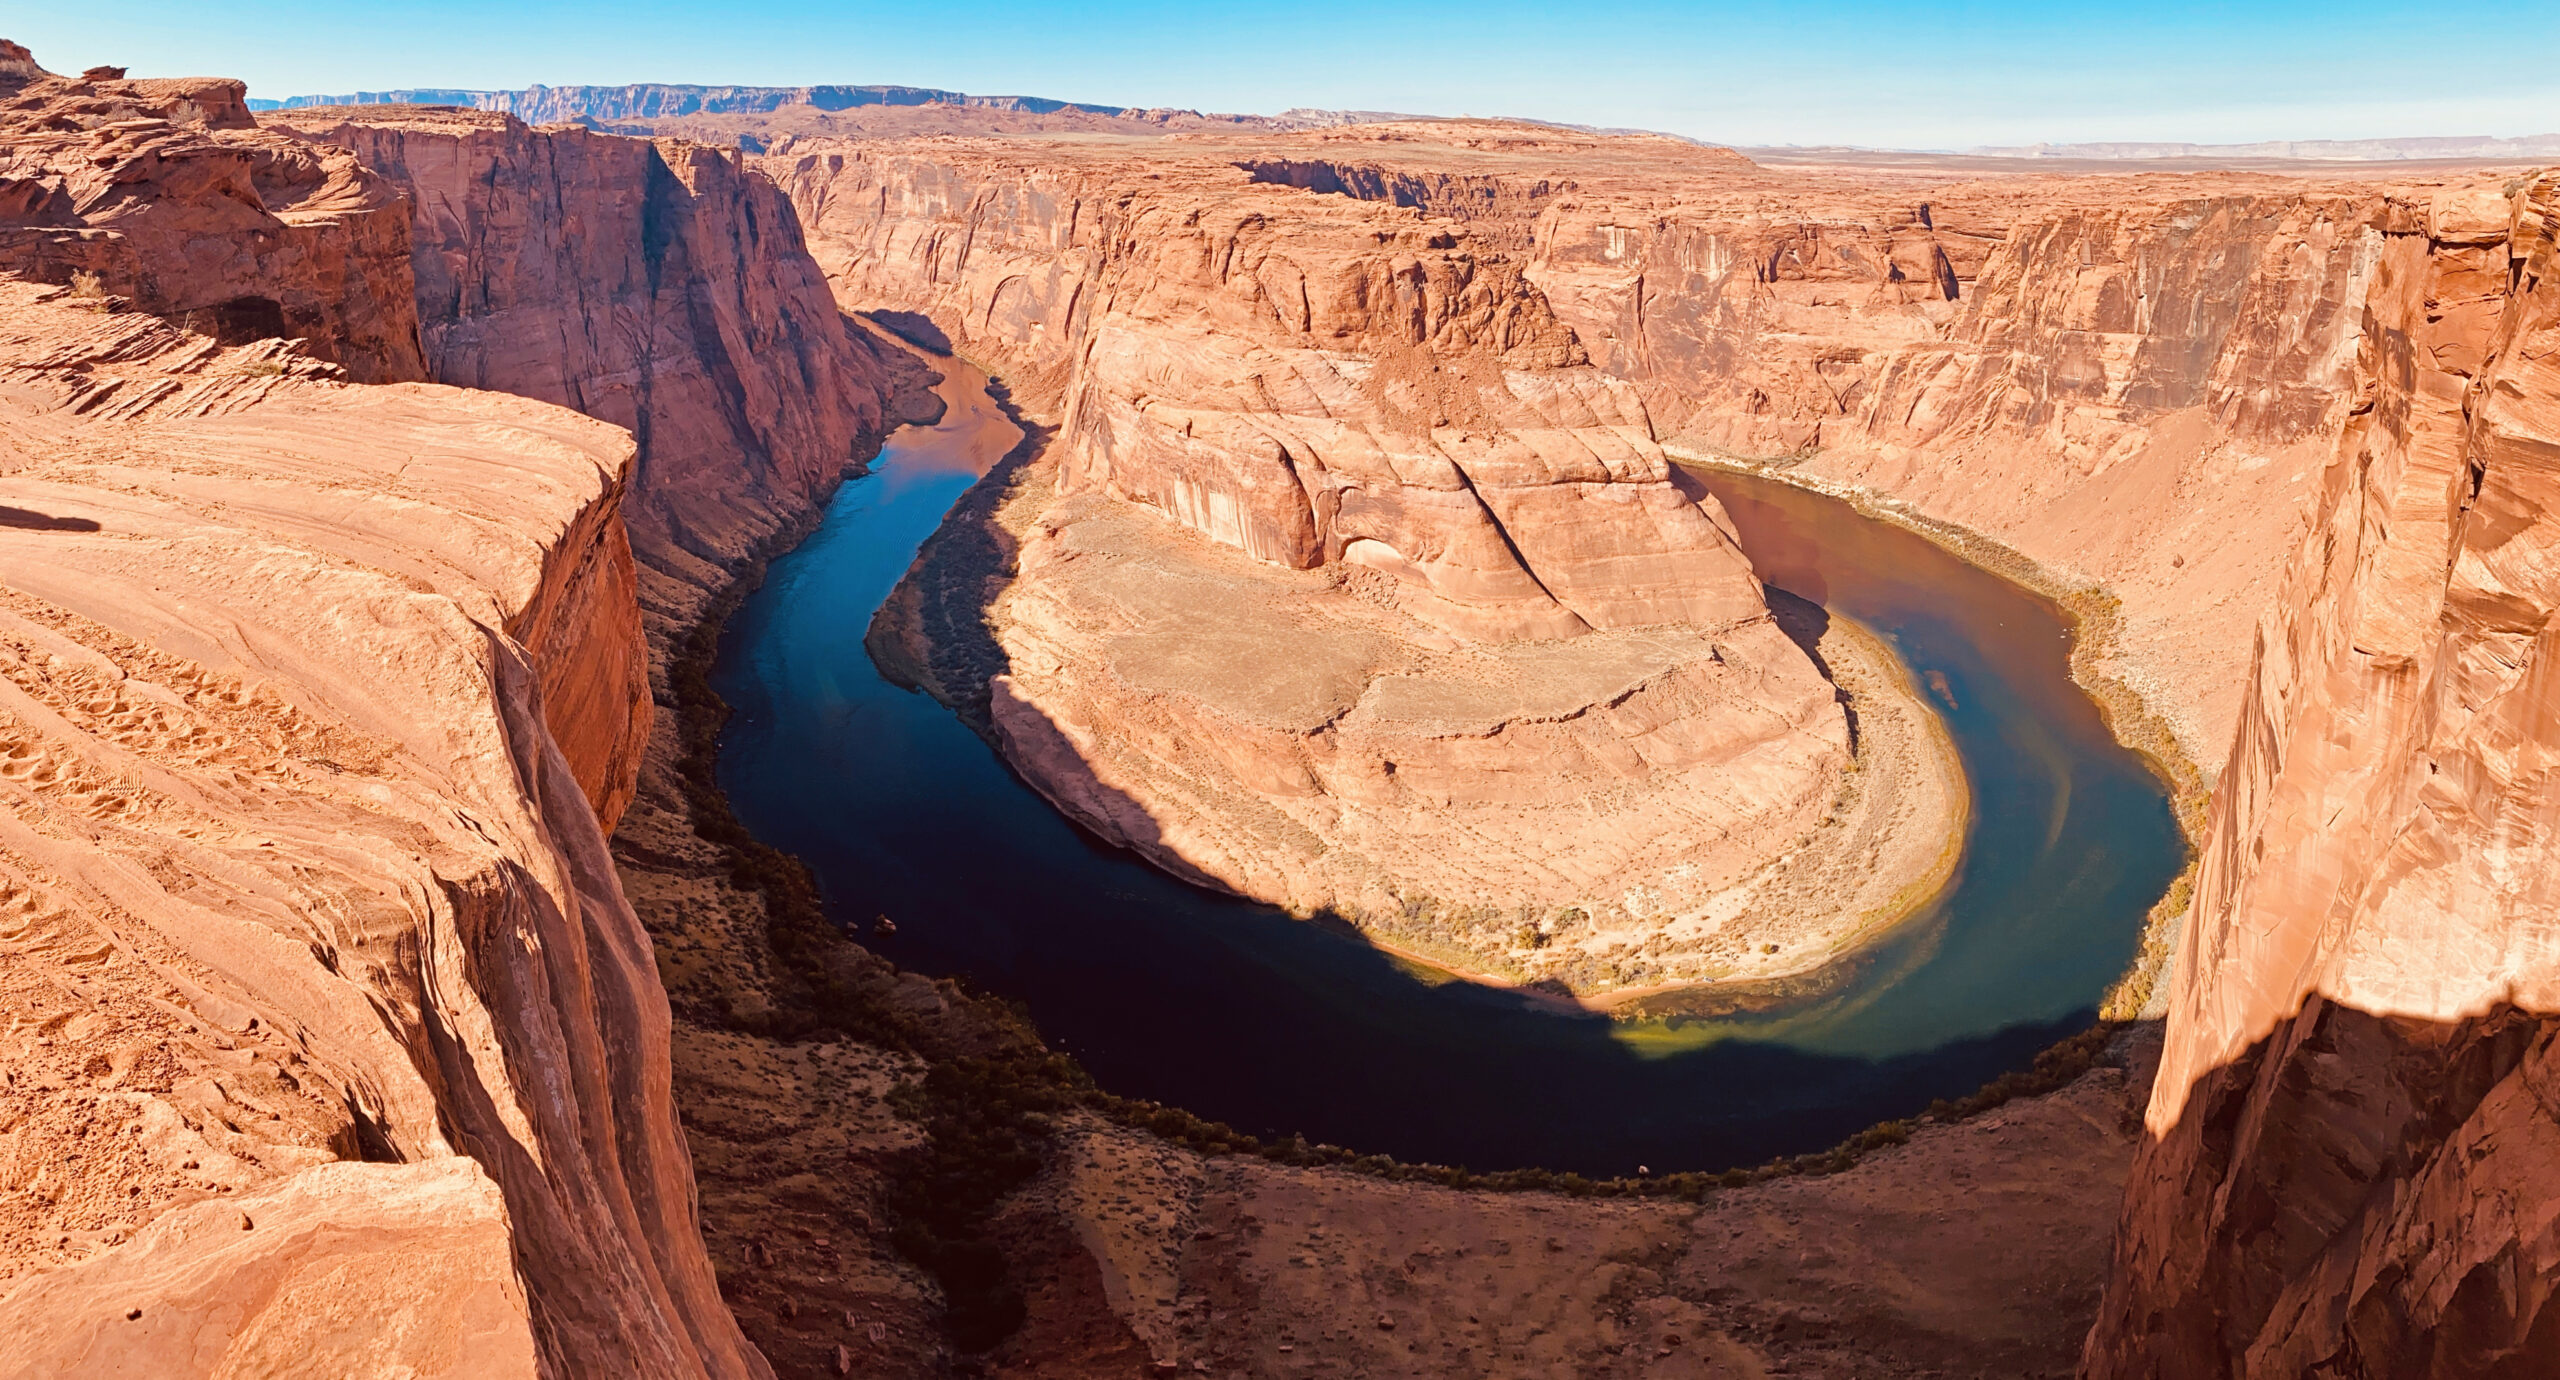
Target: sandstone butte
[[326, 683]]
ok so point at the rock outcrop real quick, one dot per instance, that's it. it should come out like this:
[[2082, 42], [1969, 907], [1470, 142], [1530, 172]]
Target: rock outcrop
[[658, 285], [2352, 1136], [654, 284], [407, 1020], [1479, 665], [313, 695], [2130, 380], [167, 193]]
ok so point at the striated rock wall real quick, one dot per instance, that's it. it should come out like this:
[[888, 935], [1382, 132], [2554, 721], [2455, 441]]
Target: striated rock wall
[[167, 193], [460, 1057], [319, 980], [1305, 378], [2349, 1169], [2131, 380], [654, 284], [1379, 468], [658, 285]]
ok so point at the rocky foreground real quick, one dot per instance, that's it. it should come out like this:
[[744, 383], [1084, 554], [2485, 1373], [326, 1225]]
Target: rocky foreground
[[321, 684]]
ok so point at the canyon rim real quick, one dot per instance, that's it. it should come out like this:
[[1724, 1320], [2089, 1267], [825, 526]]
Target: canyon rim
[[391, 990]]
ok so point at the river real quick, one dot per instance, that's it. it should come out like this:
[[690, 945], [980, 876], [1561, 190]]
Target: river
[[1236, 1012]]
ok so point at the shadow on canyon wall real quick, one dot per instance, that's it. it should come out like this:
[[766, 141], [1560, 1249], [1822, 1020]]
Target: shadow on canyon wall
[[919, 330], [1335, 1037], [2291, 1220]]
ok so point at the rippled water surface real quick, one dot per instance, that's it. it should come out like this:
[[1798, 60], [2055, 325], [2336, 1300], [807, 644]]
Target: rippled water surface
[[1238, 1013]]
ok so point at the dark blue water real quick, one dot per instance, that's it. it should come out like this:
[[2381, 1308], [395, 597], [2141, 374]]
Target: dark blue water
[[1239, 1013]]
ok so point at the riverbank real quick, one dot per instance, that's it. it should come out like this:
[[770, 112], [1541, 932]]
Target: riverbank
[[2097, 666], [1033, 596], [808, 1173], [1889, 847]]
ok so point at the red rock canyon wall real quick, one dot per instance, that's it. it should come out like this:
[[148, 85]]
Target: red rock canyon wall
[[319, 974], [167, 192], [2354, 1127], [408, 1022], [2131, 380], [654, 284]]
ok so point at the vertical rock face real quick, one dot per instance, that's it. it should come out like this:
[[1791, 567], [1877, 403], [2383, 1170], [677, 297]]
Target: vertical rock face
[[1304, 378], [333, 1044], [2354, 1130], [654, 284], [659, 286], [407, 1021], [2130, 379], [167, 193]]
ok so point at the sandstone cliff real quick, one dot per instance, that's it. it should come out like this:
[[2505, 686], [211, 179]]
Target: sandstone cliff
[[1480, 672], [654, 284], [317, 969], [167, 193], [2352, 1135], [2131, 380], [658, 285], [2127, 380], [438, 647]]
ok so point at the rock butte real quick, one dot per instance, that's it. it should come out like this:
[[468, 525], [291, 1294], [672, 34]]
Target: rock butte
[[322, 686]]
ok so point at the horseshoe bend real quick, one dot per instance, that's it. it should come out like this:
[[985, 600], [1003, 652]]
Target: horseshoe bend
[[852, 730]]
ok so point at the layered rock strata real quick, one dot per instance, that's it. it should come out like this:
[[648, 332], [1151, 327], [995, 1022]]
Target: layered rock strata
[[168, 194], [319, 974], [658, 285], [654, 284], [2129, 379], [1477, 666], [2349, 1167]]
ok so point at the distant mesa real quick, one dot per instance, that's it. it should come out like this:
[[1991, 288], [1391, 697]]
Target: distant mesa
[[2465, 147], [659, 101]]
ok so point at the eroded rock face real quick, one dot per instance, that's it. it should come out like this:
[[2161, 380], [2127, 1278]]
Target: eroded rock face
[[1442, 352], [658, 285], [653, 284], [2131, 380], [167, 193], [2350, 1169], [1304, 378], [312, 697], [1325, 383]]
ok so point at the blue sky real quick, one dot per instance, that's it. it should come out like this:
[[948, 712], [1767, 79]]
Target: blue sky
[[1889, 75]]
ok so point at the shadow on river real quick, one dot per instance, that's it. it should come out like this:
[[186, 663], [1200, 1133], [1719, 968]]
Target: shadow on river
[[1238, 1013]]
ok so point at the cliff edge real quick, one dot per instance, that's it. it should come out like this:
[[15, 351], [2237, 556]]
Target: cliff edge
[[2349, 1162]]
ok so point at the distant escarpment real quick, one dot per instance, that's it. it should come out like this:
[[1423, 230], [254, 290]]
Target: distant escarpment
[[2350, 1163]]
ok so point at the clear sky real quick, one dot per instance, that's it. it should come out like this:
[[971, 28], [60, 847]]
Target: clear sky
[[1898, 75]]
